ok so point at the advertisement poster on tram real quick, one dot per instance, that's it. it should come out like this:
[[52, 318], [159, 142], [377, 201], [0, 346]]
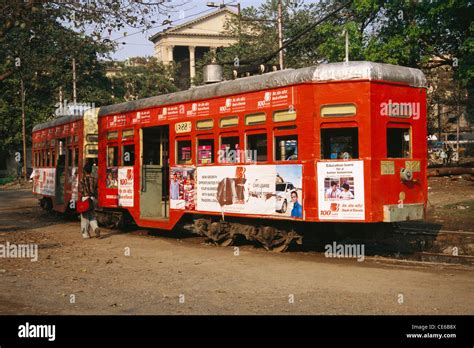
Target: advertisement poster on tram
[[182, 188], [74, 181], [125, 186], [341, 190], [44, 180], [259, 190]]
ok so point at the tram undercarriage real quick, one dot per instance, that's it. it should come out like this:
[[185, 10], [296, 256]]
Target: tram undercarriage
[[224, 233]]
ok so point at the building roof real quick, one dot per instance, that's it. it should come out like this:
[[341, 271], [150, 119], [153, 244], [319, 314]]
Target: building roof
[[176, 30], [349, 71]]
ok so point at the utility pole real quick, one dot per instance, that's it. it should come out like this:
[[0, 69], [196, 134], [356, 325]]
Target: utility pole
[[346, 32], [23, 121], [280, 33], [74, 94]]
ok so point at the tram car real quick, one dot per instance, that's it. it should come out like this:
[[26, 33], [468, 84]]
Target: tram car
[[61, 147], [257, 156]]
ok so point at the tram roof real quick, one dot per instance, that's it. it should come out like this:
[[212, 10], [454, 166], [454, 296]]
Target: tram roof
[[57, 122], [345, 71]]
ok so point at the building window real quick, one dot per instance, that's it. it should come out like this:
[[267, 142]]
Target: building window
[[256, 148], [339, 143], [205, 154], [183, 155], [112, 156], [128, 154], [286, 148], [398, 143], [230, 150]]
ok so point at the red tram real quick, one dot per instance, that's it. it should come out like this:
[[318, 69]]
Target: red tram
[[61, 148], [340, 142]]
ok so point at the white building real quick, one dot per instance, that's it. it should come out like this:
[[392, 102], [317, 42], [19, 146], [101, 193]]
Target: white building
[[189, 41]]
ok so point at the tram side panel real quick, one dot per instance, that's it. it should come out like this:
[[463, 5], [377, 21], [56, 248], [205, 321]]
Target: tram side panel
[[342, 149], [57, 153], [399, 149]]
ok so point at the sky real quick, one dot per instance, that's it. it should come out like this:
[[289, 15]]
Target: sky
[[137, 42]]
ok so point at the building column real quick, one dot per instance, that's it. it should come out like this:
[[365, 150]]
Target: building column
[[170, 54], [192, 63], [213, 53]]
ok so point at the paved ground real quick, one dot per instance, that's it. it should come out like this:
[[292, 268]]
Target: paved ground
[[127, 273]]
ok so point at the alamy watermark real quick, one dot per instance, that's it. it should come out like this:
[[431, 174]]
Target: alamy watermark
[[25, 251], [345, 251], [400, 109], [72, 109]]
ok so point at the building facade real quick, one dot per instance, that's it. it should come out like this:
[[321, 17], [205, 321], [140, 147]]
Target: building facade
[[190, 41]]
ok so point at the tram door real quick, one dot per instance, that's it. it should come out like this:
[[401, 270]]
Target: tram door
[[60, 171], [154, 200]]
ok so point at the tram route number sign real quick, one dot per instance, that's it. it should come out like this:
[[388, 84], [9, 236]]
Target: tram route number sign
[[182, 127]]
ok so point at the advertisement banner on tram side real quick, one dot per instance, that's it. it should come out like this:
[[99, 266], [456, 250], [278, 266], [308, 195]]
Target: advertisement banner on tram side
[[125, 186], [341, 190], [182, 188], [251, 189], [44, 181]]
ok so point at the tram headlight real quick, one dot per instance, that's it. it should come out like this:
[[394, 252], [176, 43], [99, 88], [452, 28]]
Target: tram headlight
[[406, 174]]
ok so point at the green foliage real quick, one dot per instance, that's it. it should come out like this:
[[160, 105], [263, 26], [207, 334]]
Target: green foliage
[[141, 78], [408, 33], [40, 35]]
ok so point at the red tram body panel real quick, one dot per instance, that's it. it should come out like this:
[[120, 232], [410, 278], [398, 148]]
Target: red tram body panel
[[341, 142], [60, 149]]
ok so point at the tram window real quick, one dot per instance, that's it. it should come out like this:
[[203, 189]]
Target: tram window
[[54, 158], [76, 157], [284, 115], [93, 138], [338, 110], [286, 148], [127, 134], [205, 154], [256, 148], [230, 121], [183, 155], [112, 156], [339, 143], [61, 161], [255, 118], [398, 143], [230, 150], [69, 157], [112, 135], [205, 124], [128, 152]]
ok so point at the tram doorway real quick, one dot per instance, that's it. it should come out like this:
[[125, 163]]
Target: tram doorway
[[154, 196]]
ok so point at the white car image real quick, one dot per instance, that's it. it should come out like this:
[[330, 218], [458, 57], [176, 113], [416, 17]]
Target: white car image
[[283, 196]]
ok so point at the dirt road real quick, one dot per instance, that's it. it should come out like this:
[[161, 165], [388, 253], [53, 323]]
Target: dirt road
[[126, 273]]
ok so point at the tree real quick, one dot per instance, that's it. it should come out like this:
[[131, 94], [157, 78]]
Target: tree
[[142, 77], [408, 33], [101, 17]]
